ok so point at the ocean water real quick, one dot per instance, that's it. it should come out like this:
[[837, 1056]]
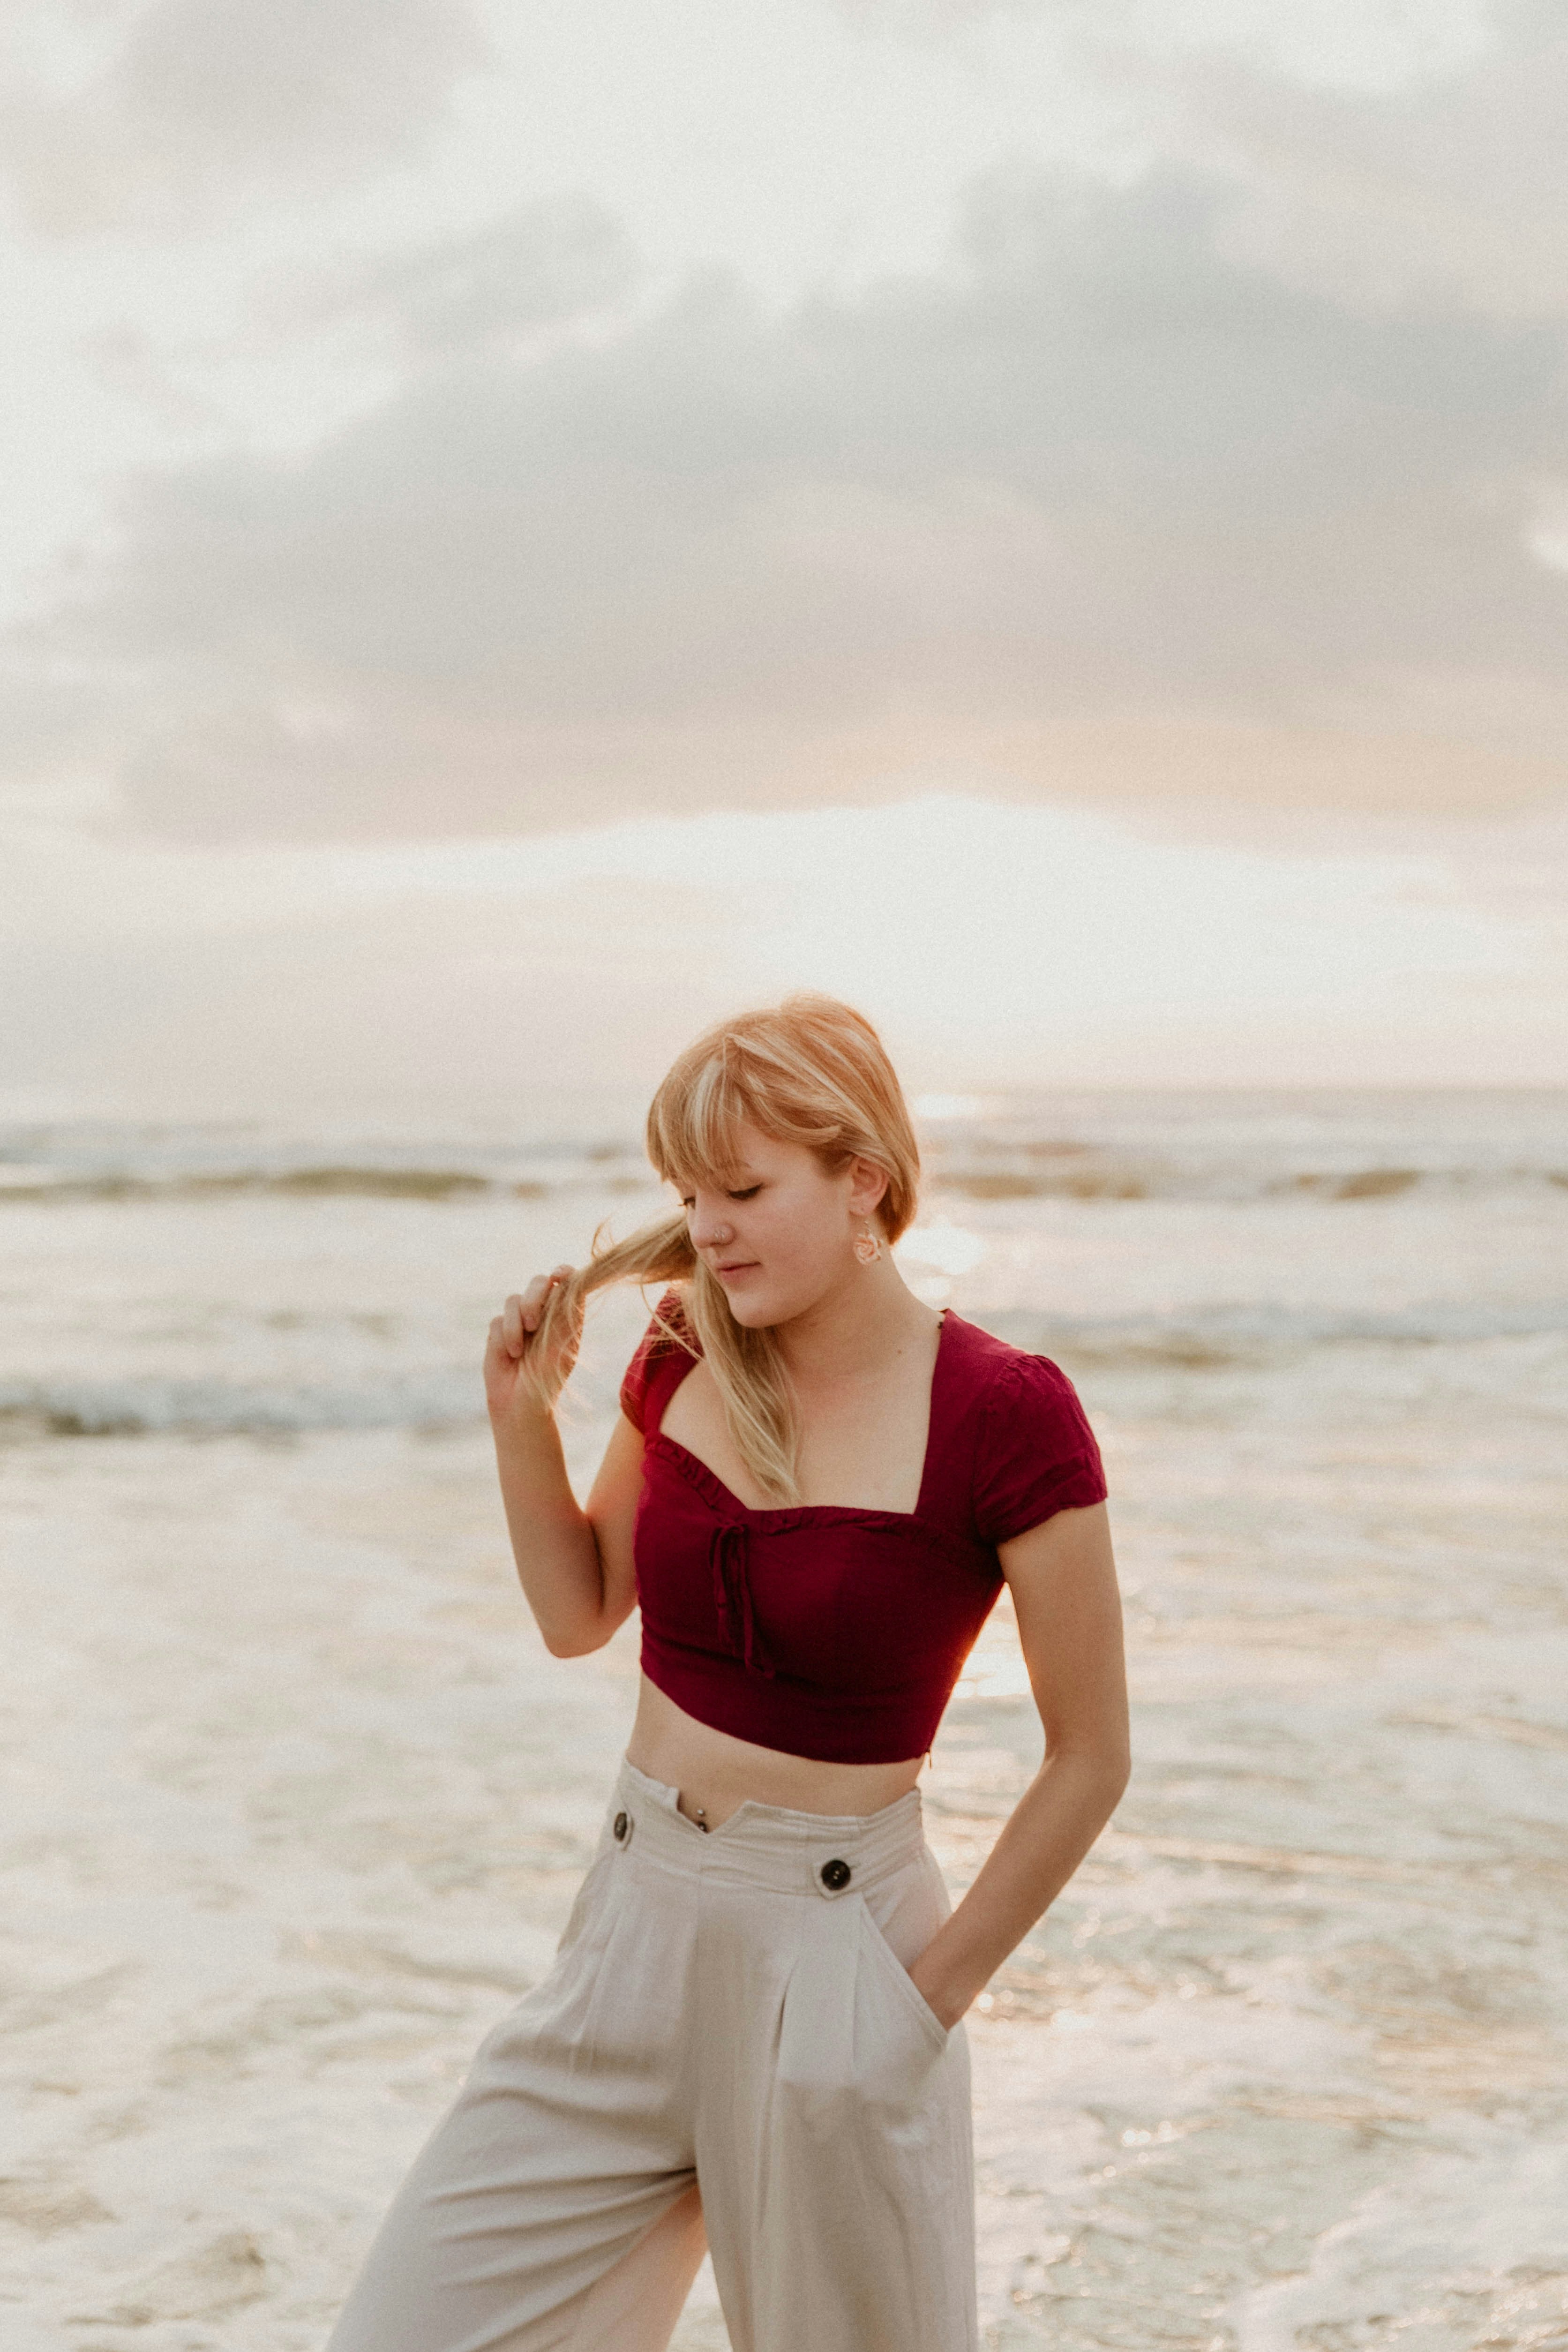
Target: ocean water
[[296, 1800]]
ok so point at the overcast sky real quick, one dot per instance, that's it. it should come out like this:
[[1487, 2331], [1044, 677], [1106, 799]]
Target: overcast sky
[[527, 524]]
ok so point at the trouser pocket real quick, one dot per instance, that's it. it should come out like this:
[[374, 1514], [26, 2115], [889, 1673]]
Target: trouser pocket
[[870, 2240], [856, 2030], [885, 1960]]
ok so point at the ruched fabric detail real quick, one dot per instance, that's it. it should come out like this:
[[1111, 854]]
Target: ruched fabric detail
[[728, 1551]]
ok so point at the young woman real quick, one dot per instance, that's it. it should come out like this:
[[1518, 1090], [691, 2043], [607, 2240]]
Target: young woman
[[751, 2037]]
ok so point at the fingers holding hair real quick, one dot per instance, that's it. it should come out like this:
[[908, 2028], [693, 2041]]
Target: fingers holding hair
[[525, 1311]]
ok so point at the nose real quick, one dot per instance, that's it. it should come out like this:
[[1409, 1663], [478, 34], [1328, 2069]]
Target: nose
[[708, 1228]]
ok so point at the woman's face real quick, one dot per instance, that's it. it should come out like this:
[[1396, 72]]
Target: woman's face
[[780, 1236]]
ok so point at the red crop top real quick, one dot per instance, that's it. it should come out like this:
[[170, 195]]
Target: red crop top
[[833, 1632]]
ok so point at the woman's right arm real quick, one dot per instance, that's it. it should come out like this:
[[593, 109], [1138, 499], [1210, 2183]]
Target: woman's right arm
[[575, 1565]]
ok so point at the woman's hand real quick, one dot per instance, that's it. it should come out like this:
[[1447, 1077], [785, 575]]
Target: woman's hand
[[517, 1381], [937, 1995]]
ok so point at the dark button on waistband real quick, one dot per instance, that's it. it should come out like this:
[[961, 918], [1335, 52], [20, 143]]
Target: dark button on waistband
[[620, 1825], [834, 1873]]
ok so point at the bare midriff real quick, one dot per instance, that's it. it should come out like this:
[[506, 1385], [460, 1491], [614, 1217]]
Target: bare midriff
[[714, 1772]]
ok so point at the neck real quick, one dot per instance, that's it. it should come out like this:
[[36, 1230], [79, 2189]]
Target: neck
[[855, 1328]]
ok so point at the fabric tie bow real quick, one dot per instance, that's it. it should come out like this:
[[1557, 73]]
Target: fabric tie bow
[[730, 1555]]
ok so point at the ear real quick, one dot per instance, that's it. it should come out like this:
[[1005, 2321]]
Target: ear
[[868, 1186]]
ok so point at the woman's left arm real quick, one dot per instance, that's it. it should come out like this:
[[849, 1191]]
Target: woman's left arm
[[1063, 1577]]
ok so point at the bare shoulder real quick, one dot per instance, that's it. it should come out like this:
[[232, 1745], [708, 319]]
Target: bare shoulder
[[695, 1418]]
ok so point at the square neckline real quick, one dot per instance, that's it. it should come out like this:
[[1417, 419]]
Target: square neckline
[[795, 1512]]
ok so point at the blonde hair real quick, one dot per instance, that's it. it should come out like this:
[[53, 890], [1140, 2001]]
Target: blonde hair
[[810, 1071]]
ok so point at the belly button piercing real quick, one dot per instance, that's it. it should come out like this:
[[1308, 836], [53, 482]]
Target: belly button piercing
[[699, 1816]]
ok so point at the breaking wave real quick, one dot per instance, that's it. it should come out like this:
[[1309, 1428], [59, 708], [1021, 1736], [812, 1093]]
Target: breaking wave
[[1086, 1178], [154, 1407], [1056, 1176], [1269, 1334], [447, 1397]]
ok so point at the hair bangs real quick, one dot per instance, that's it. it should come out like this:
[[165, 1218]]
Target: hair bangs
[[695, 1122]]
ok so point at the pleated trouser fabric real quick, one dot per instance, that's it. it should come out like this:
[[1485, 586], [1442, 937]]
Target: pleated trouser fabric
[[729, 2052]]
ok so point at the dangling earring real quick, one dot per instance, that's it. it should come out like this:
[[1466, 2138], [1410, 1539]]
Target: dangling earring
[[868, 1248]]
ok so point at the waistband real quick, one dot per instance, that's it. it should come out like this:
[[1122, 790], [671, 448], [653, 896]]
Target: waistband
[[773, 1847]]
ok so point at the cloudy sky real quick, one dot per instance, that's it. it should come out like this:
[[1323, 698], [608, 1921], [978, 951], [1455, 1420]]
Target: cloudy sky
[[527, 524]]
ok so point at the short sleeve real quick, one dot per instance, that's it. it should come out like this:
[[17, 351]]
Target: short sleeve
[[658, 1344], [1036, 1453]]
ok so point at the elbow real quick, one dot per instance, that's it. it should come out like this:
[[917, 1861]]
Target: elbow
[[573, 1645], [1101, 1771], [1114, 1770]]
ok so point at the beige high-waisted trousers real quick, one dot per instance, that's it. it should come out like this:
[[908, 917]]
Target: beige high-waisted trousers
[[728, 2051]]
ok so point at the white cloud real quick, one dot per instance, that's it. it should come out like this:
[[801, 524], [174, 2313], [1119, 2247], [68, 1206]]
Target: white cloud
[[1448, 189], [1380, 154], [1232, 476], [167, 110], [1102, 489], [1330, 42], [1547, 537], [542, 263]]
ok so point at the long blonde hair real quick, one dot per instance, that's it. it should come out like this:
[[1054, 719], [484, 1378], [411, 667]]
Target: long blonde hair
[[810, 1071]]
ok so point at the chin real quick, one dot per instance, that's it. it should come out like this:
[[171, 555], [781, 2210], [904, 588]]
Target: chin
[[763, 1309], [754, 1314]]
